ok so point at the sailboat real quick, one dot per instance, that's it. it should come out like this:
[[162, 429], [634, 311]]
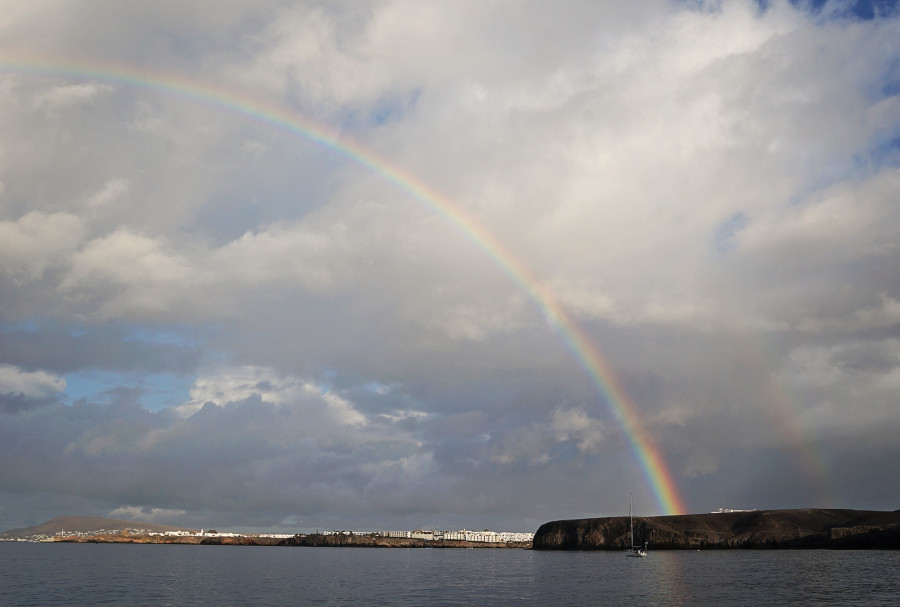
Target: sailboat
[[634, 550]]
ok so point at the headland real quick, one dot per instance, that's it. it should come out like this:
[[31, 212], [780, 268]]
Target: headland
[[760, 529]]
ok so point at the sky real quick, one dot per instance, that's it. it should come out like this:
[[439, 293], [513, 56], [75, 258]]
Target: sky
[[419, 264]]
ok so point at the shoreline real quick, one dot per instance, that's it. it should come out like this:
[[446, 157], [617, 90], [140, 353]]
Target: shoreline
[[311, 540]]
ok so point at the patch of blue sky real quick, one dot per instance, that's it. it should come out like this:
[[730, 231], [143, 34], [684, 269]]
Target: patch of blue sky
[[384, 111], [862, 9], [22, 326], [155, 391], [389, 111], [842, 9], [169, 336], [824, 173], [884, 153], [890, 83], [726, 233], [379, 388]]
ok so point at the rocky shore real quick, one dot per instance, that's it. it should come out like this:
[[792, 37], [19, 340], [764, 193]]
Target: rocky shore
[[772, 529]]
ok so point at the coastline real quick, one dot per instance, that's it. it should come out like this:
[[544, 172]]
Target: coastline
[[307, 540]]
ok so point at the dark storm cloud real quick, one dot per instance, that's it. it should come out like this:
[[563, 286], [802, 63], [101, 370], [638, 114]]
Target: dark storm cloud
[[65, 348], [15, 403]]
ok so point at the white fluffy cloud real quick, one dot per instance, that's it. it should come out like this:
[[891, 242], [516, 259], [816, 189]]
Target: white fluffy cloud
[[235, 385], [29, 383], [59, 97], [144, 514], [36, 241]]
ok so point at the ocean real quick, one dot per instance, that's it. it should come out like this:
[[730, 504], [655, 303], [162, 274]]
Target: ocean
[[146, 574]]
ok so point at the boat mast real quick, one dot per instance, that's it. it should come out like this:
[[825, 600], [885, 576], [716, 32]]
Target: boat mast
[[630, 519]]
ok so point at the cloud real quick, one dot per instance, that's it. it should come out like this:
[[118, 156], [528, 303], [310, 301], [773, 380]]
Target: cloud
[[237, 385], [60, 97], [131, 274], [36, 242], [29, 383], [573, 424], [274, 451], [20, 389], [112, 192], [706, 189], [145, 514]]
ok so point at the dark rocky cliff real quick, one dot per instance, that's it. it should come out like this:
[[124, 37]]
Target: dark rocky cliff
[[800, 528]]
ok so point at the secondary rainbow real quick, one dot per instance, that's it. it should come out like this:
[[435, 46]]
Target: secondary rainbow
[[648, 455]]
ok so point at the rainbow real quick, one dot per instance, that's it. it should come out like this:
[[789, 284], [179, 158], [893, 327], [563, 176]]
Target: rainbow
[[641, 443], [782, 404]]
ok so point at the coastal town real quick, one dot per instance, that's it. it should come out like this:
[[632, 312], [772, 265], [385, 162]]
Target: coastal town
[[463, 535], [334, 537]]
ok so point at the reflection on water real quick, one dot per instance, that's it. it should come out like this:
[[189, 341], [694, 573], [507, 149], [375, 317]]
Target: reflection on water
[[670, 573], [87, 574]]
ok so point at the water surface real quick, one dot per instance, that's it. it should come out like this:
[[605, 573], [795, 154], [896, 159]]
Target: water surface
[[123, 574]]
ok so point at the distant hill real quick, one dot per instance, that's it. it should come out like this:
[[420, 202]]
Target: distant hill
[[84, 524], [798, 528]]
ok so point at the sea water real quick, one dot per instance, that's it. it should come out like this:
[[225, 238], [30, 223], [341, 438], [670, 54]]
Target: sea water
[[145, 574]]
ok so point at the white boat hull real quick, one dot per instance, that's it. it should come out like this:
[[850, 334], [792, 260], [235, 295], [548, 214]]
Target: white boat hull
[[636, 553]]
